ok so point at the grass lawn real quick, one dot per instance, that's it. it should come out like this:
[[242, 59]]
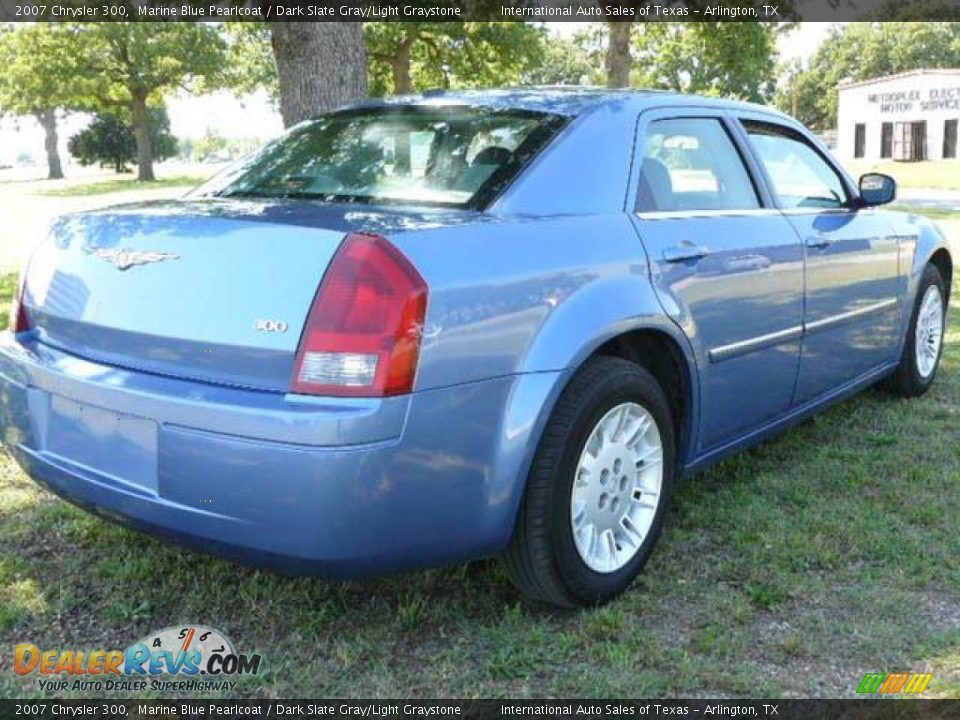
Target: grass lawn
[[121, 184], [934, 213], [939, 174], [791, 570]]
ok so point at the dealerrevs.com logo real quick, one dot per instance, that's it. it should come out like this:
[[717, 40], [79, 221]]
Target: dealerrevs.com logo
[[186, 658]]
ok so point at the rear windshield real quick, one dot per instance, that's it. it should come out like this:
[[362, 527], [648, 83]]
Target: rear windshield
[[449, 156]]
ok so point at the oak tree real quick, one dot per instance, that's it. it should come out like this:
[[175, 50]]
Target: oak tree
[[39, 79], [109, 141], [127, 65]]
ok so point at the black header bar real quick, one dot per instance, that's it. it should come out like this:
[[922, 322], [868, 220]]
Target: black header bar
[[491, 10]]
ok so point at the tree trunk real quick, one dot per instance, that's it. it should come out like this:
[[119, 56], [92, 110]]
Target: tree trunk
[[48, 120], [401, 68], [402, 85], [618, 54], [141, 133], [320, 66]]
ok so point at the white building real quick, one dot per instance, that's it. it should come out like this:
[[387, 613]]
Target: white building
[[910, 116]]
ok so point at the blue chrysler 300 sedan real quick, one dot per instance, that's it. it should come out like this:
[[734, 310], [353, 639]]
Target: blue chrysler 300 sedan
[[442, 328]]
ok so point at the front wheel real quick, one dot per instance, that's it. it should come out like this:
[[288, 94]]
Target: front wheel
[[924, 342], [598, 490]]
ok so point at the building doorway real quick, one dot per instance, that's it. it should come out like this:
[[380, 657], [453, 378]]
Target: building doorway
[[910, 141]]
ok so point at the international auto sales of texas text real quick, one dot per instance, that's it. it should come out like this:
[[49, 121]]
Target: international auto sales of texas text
[[635, 13], [111, 10], [426, 710]]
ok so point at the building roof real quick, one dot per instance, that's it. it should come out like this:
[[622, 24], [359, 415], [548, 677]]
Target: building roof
[[950, 72]]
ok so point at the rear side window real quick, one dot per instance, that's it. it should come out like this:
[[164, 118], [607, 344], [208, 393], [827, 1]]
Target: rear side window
[[801, 177], [451, 156], [692, 164]]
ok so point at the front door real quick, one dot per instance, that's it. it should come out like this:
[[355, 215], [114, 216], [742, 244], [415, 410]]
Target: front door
[[727, 266], [851, 315]]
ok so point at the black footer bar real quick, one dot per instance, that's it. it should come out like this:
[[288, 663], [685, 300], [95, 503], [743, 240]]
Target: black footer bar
[[892, 708]]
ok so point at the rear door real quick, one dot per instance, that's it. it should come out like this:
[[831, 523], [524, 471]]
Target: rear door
[[852, 275], [727, 265]]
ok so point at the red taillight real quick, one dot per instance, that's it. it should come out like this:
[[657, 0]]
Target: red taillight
[[19, 320], [362, 337]]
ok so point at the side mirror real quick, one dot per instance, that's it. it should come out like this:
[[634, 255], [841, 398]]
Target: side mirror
[[877, 189]]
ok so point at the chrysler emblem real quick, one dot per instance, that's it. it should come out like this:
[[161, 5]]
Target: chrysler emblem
[[126, 259]]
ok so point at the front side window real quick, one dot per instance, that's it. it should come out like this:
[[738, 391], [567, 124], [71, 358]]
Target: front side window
[[801, 177], [692, 164], [450, 156]]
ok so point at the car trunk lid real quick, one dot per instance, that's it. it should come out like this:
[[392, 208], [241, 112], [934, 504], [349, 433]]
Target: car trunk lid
[[216, 291]]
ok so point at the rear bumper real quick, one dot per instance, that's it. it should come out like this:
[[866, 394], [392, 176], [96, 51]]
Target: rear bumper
[[311, 486]]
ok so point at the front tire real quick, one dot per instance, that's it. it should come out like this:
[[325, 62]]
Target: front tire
[[923, 346], [598, 490]]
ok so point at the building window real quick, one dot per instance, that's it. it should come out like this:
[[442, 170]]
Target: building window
[[950, 139], [886, 140], [859, 140]]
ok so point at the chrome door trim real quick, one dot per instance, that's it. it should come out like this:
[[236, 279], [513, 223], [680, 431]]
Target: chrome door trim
[[780, 337], [743, 347], [835, 320], [819, 211], [687, 214]]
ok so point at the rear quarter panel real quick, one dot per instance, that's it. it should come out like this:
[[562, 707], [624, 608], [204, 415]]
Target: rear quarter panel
[[918, 238], [524, 296], [531, 299]]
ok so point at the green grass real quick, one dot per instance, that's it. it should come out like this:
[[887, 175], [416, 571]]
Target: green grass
[[8, 288], [793, 569], [121, 184], [933, 213], [939, 174]]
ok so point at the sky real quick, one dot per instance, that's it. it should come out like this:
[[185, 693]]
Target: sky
[[255, 116]]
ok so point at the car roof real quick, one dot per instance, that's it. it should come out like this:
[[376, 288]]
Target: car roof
[[568, 100]]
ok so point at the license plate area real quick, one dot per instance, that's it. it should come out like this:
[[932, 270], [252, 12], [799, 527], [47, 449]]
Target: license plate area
[[123, 447]]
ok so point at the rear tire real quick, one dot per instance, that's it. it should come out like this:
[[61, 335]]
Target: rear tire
[[922, 349], [598, 490]]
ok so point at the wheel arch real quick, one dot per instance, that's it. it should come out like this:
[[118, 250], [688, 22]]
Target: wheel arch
[[655, 343], [932, 248], [662, 356], [941, 260], [649, 338]]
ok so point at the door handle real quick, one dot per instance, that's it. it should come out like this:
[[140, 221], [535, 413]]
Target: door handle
[[819, 241], [685, 251]]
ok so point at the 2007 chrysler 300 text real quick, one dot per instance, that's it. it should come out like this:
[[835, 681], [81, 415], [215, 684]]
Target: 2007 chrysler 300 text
[[463, 325]]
